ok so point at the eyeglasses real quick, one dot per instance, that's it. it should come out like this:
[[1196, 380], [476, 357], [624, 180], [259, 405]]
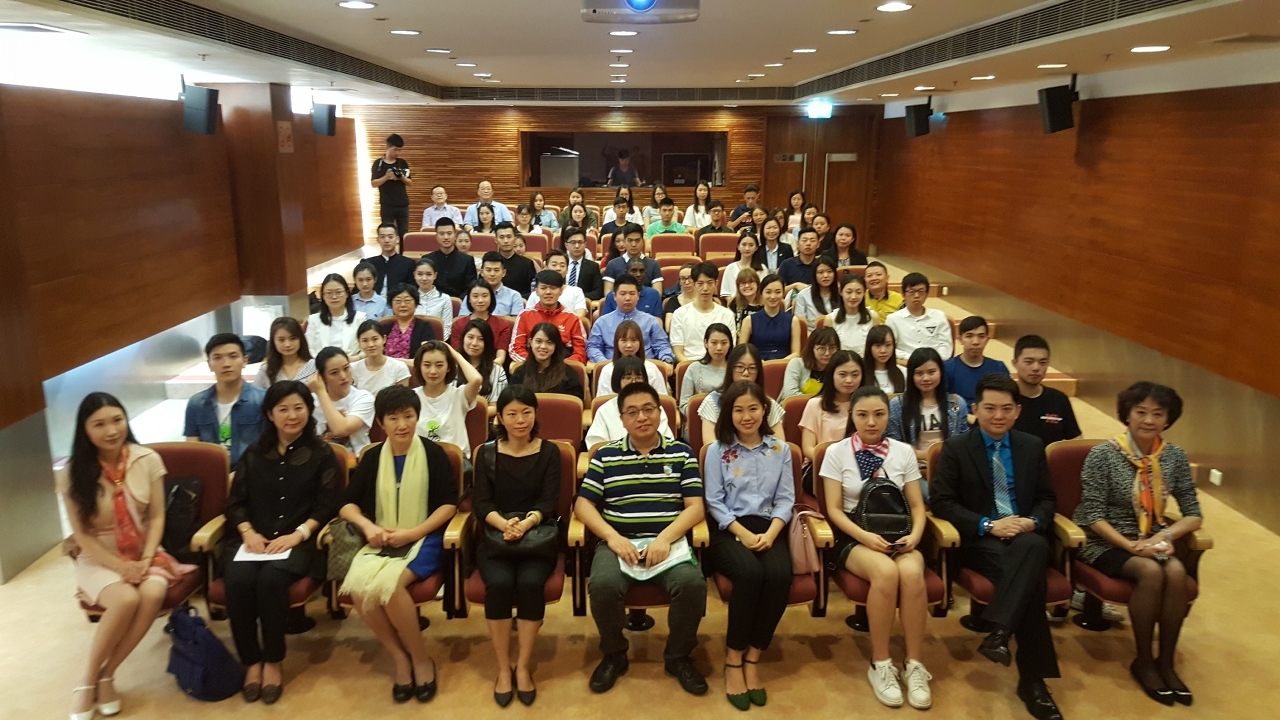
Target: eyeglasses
[[828, 349], [579, 241], [745, 369], [645, 410], [686, 279], [403, 301], [335, 294]]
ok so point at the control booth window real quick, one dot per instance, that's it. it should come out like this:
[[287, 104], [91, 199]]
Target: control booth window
[[603, 159]]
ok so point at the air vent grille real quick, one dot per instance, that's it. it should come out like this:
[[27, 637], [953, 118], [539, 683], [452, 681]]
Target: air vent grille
[[1248, 39], [651, 95], [1035, 25]]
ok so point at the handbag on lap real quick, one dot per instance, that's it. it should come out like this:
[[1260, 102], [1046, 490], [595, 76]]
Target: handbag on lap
[[539, 541]]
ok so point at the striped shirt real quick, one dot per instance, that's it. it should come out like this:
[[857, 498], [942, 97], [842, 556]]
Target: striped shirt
[[640, 495]]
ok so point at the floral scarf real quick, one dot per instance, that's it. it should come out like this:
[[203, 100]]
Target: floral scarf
[[1148, 482], [129, 538]]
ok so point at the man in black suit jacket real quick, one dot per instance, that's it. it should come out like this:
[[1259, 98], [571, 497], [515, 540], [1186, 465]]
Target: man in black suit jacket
[[581, 273], [393, 268], [1005, 532]]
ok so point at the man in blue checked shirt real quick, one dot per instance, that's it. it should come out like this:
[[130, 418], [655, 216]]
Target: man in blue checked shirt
[[627, 293]]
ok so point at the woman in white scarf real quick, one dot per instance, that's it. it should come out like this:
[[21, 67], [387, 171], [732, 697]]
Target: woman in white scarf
[[411, 494]]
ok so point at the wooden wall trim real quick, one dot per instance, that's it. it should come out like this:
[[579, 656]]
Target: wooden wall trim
[[1155, 219]]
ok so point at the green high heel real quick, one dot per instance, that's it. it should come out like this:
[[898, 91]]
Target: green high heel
[[742, 701], [758, 696]]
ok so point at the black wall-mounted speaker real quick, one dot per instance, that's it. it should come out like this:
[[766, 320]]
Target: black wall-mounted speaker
[[1055, 108], [918, 120], [200, 109], [324, 119]]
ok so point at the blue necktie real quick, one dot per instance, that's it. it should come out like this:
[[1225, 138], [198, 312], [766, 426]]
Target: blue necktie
[[573, 274], [1004, 506]]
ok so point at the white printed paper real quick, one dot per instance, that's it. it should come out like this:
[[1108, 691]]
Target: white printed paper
[[243, 555], [680, 553]]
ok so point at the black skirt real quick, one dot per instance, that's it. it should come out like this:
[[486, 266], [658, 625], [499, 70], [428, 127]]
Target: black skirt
[[1111, 562]]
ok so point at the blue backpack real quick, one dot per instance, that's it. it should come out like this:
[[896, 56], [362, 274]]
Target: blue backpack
[[203, 666]]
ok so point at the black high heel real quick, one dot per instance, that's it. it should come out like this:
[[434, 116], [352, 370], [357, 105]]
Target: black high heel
[[1162, 695], [1181, 693], [526, 696], [402, 693], [504, 699], [426, 691]]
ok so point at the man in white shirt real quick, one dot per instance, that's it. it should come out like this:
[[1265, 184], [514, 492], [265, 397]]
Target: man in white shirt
[[571, 297], [484, 191], [440, 208], [915, 326], [689, 324]]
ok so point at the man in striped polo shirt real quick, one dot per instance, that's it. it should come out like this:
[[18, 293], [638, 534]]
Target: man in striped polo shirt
[[643, 486]]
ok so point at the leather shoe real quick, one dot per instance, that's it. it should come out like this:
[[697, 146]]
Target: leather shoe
[[526, 696], [504, 698], [687, 674], [1035, 695], [426, 691], [611, 668], [271, 693], [995, 647], [1161, 694], [402, 693], [252, 692]]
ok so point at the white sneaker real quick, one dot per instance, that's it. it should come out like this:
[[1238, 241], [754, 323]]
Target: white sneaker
[[884, 682], [1109, 611], [917, 680]]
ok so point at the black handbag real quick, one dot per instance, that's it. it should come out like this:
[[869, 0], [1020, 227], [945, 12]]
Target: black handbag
[[540, 540], [882, 509]]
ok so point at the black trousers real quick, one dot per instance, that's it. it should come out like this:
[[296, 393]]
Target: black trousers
[[1017, 569], [258, 594], [761, 586], [519, 583], [398, 214]]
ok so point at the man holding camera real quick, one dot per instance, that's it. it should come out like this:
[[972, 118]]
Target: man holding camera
[[391, 177]]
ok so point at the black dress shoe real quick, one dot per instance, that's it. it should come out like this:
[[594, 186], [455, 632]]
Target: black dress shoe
[[526, 696], [1035, 695], [402, 693], [995, 647], [271, 693], [608, 671], [1181, 694], [426, 691], [974, 623], [504, 698], [687, 674], [1160, 694], [252, 692]]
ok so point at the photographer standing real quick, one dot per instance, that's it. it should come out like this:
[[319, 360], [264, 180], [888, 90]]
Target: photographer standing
[[391, 177]]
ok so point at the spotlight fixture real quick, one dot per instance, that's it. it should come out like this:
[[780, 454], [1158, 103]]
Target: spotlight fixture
[[618, 75], [923, 88], [624, 33], [615, 107], [805, 51], [491, 80], [357, 5], [865, 99], [755, 75], [888, 94], [1051, 66], [731, 106], [773, 64], [405, 32], [842, 32], [618, 65], [618, 80], [1150, 48], [441, 51], [983, 77], [465, 64], [483, 75], [894, 7], [621, 52]]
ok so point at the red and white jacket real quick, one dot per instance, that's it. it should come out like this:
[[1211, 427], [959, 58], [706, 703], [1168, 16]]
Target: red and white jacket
[[569, 324]]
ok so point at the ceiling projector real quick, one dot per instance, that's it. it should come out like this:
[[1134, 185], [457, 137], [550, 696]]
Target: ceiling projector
[[640, 12]]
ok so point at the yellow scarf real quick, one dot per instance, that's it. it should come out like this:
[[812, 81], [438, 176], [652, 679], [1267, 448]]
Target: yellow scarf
[[1149, 490], [373, 576]]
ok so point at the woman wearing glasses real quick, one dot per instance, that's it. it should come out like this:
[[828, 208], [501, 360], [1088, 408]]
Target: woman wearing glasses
[[337, 322], [686, 295], [744, 364]]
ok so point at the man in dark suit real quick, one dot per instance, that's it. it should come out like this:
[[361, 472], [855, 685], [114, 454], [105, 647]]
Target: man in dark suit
[[993, 485], [393, 268], [581, 273]]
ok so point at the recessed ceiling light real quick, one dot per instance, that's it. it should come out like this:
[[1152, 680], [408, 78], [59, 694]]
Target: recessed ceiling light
[[615, 106], [1150, 48], [1051, 66], [618, 80], [773, 64], [466, 64], [983, 77], [731, 106], [888, 94], [491, 80], [864, 99], [618, 75], [738, 80], [842, 32], [922, 88], [483, 74], [621, 52], [357, 5], [619, 65], [624, 33], [755, 74], [894, 7], [405, 32], [803, 51], [442, 51]]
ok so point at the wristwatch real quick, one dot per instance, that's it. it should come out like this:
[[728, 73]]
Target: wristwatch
[[987, 525]]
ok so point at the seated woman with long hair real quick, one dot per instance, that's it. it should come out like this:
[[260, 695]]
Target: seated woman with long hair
[[750, 494], [773, 329], [375, 370], [288, 355], [542, 216], [401, 497], [826, 417], [546, 370], [747, 256], [344, 412], [842, 246], [286, 488], [338, 320], [1125, 487], [589, 219], [804, 374], [747, 299], [628, 340], [517, 488], [485, 219], [880, 361], [895, 569], [742, 365], [478, 349], [853, 319], [606, 423], [431, 301], [407, 333], [707, 374], [925, 413], [820, 298], [442, 416], [114, 491], [480, 301]]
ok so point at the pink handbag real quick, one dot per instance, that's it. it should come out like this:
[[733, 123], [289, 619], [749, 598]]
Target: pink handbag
[[804, 553]]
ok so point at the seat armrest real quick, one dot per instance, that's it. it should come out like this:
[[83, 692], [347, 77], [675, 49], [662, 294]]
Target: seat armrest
[[1198, 540], [584, 460], [586, 419], [210, 535], [456, 532], [1067, 532], [701, 534], [942, 532], [577, 532], [820, 531]]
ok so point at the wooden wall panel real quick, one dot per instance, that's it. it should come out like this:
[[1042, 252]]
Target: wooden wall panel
[[1154, 220], [19, 371], [457, 145], [338, 230], [122, 221]]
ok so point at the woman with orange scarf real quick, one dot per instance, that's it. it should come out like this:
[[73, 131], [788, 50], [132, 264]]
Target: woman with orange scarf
[[1125, 485], [114, 489]]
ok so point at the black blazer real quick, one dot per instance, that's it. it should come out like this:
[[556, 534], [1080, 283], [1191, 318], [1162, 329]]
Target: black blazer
[[392, 271], [590, 280], [784, 252], [960, 490], [442, 489]]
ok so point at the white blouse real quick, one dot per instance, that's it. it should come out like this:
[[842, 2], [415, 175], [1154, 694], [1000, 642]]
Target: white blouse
[[339, 333], [839, 464]]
